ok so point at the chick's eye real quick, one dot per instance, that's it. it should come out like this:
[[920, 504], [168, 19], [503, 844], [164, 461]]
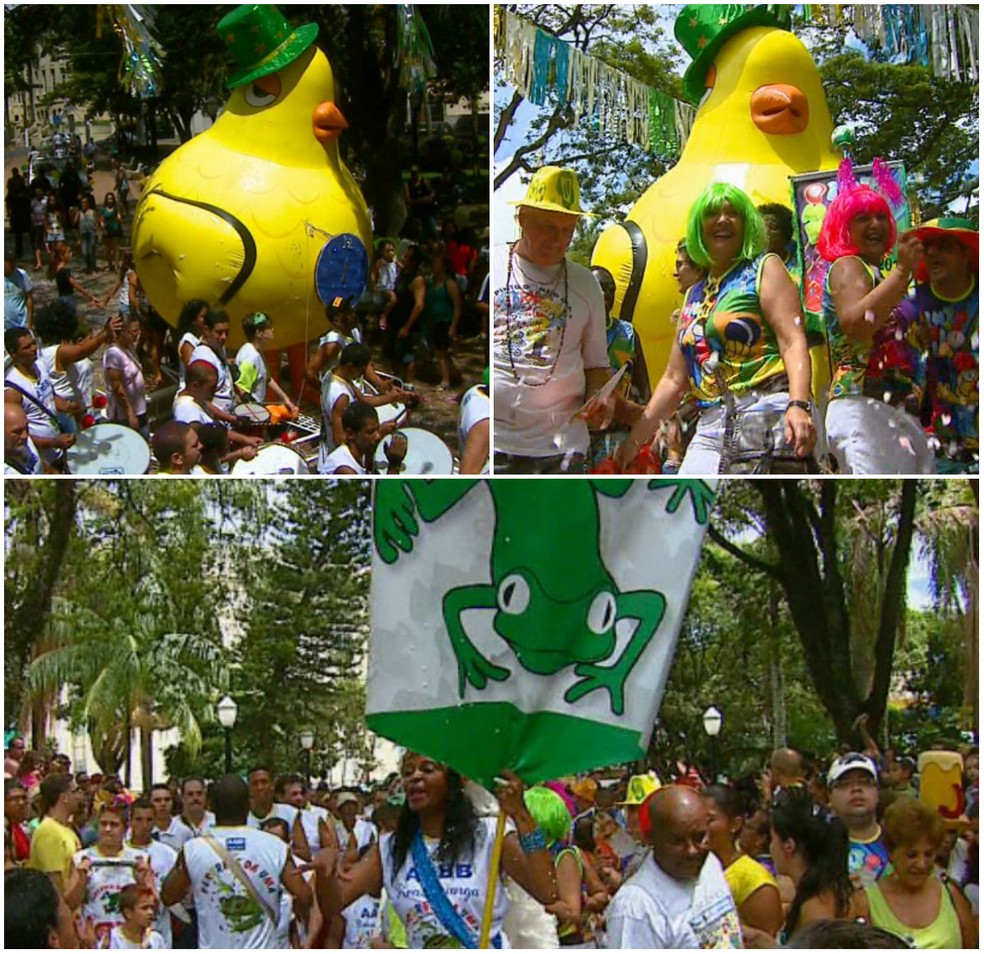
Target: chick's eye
[[601, 615], [257, 96], [514, 595]]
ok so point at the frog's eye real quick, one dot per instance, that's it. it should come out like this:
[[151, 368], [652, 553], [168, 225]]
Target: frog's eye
[[514, 595], [601, 615]]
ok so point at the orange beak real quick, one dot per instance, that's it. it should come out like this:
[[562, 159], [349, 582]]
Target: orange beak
[[328, 121], [780, 109]]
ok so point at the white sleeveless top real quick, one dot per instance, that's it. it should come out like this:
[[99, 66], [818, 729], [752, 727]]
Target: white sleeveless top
[[107, 878], [475, 408], [342, 340], [227, 915], [465, 883], [361, 923]]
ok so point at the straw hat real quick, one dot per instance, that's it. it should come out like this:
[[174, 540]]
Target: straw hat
[[963, 230], [553, 189]]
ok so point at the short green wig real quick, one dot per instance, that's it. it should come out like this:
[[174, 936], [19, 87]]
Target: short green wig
[[709, 202], [549, 812]]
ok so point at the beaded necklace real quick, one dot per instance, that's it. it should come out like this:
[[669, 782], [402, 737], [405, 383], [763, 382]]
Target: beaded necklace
[[509, 333]]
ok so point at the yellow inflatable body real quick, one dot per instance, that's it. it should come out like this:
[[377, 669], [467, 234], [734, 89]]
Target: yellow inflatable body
[[258, 213], [765, 119]]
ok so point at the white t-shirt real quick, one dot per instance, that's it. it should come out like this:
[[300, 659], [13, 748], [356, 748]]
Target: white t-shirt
[[228, 917], [332, 389], [475, 408], [361, 923], [39, 424], [185, 830], [162, 860], [74, 383], [152, 942], [342, 341], [653, 910], [187, 410], [341, 456], [309, 822], [108, 876], [465, 883], [129, 367], [541, 347], [187, 338], [249, 355], [280, 810], [387, 275], [364, 831], [224, 398]]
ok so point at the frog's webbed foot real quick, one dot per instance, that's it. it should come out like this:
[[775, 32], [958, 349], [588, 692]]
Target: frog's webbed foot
[[700, 492], [475, 669], [394, 523], [599, 677]]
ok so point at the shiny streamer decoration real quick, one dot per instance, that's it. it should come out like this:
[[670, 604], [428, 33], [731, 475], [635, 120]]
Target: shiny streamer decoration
[[414, 50], [140, 69], [943, 37], [543, 67]]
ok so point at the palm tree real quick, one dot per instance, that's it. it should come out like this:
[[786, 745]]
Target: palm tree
[[124, 668]]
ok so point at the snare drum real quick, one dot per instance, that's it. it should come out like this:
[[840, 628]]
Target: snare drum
[[106, 449], [251, 419], [426, 453], [272, 459]]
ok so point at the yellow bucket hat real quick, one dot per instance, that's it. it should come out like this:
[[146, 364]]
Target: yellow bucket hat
[[640, 787], [553, 189]]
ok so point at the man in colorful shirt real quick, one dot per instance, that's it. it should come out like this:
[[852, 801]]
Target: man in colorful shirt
[[941, 318], [853, 784]]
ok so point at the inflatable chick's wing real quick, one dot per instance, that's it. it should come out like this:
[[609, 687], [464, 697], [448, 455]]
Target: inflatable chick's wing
[[762, 118], [258, 213]]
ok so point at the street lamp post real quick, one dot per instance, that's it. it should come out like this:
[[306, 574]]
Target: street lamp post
[[227, 710], [307, 743], [712, 726]]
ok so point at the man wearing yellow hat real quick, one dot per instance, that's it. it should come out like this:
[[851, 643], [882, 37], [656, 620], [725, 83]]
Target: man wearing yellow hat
[[549, 349], [943, 316]]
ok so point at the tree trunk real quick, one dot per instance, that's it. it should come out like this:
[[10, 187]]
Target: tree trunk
[[383, 190], [127, 749], [146, 757]]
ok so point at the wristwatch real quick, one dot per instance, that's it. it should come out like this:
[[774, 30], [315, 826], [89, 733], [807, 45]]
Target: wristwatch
[[802, 405]]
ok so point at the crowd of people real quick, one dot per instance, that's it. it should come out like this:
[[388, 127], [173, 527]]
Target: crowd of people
[[844, 854], [740, 393], [220, 409]]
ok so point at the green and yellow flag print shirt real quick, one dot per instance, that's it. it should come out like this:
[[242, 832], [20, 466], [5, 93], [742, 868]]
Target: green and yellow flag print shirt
[[722, 332]]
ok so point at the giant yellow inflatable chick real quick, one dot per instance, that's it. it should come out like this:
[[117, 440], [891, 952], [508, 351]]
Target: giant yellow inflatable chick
[[258, 213], [762, 118]]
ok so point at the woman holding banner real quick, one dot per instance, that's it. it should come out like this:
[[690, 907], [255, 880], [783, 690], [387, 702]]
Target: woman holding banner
[[739, 347], [438, 864]]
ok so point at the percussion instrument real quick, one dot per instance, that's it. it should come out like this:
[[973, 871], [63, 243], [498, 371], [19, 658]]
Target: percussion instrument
[[251, 419], [272, 459], [108, 449], [426, 453]]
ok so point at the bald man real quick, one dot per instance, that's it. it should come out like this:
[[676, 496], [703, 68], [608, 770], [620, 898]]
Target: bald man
[[20, 456], [787, 769], [678, 898]]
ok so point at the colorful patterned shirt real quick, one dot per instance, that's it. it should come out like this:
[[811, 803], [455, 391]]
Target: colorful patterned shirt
[[887, 367], [947, 331], [722, 331]]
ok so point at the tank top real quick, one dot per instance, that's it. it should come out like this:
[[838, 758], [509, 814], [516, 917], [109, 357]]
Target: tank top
[[440, 308], [944, 932], [465, 882], [722, 330], [621, 350], [343, 341], [41, 389]]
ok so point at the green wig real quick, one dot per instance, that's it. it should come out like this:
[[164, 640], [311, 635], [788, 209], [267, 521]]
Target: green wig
[[549, 812], [710, 202]]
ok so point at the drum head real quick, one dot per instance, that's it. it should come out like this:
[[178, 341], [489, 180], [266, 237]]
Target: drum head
[[252, 413], [108, 449], [426, 453], [272, 459]]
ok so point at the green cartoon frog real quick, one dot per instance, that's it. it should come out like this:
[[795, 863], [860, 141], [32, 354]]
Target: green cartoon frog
[[241, 912], [536, 590]]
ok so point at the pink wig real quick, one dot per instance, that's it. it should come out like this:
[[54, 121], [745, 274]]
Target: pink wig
[[561, 789], [854, 199]]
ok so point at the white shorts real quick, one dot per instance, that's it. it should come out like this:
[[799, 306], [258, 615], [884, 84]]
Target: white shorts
[[868, 436], [703, 457]]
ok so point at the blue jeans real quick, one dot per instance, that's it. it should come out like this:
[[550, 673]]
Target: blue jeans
[[88, 240]]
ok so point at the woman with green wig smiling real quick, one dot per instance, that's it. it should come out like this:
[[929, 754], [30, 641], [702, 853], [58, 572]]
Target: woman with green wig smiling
[[739, 348]]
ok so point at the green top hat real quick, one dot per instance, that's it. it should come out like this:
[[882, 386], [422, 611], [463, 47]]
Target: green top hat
[[261, 41], [703, 28]]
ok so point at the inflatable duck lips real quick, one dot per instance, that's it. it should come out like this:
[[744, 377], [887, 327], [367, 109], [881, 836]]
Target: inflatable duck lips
[[258, 213], [762, 117]]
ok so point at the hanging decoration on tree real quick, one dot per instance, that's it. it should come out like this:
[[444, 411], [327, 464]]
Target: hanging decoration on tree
[[542, 66], [140, 69], [943, 37], [414, 50]]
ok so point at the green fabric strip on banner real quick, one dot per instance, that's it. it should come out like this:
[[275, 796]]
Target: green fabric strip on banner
[[497, 733]]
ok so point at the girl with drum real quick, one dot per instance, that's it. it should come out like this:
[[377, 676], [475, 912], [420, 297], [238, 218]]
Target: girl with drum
[[253, 378]]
